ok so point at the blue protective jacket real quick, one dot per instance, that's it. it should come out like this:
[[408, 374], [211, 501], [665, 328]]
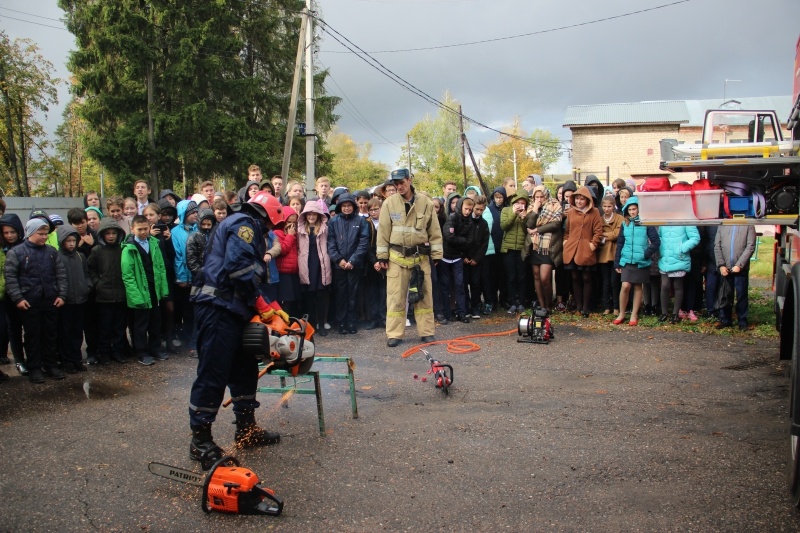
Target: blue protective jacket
[[234, 266], [180, 236], [676, 242]]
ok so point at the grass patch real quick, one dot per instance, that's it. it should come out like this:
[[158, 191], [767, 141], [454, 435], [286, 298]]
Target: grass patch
[[761, 266], [760, 307]]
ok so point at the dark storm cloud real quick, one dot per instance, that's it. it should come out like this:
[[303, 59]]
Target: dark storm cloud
[[680, 52], [684, 51]]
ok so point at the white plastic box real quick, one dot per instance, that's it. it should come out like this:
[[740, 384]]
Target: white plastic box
[[677, 205]]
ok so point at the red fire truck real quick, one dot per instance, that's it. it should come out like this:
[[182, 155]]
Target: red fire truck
[[749, 148]]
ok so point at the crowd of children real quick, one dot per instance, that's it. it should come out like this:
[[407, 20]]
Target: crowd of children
[[120, 278]]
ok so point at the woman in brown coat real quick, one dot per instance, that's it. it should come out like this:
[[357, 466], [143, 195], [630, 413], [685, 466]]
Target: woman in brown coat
[[582, 234]]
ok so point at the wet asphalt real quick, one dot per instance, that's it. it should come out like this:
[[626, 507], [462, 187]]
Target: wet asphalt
[[610, 429]]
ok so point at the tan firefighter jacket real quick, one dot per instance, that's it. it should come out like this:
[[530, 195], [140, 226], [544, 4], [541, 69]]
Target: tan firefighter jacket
[[404, 237]]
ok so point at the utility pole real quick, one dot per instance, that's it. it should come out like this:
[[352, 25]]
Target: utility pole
[[463, 155], [298, 64], [515, 168], [311, 136], [408, 150]]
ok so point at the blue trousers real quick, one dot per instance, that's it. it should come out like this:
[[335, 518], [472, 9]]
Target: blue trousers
[[739, 284], [712, 287], [452, 272], [221, 364]]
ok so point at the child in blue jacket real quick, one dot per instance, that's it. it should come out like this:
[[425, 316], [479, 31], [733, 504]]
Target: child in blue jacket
[[675, 262]]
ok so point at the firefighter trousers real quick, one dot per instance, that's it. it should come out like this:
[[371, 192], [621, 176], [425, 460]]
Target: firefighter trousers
[[397, 278]]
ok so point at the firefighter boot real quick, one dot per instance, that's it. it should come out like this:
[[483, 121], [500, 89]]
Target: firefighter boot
[[203, 448], [249, 434]]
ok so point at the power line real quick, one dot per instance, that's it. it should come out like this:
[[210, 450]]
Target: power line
[[36, 23], [31, 14], [380, 67], [529, 34], [365, 123]]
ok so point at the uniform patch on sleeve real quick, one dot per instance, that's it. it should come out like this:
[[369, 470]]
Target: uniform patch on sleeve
[[246, 234]]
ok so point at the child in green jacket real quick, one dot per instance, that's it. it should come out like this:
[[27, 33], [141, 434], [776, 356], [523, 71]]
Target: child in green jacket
[[145, 277]]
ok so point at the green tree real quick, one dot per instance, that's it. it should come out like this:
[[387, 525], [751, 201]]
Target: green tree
[[221, 74], [546, 148], [26, 88], [351, 163], [436, 149], [499, 159]]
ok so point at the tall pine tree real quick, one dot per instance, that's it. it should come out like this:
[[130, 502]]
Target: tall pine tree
[[222, 75]]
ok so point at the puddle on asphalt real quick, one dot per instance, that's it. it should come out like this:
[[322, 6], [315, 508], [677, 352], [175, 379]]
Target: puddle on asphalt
[[94, 389]]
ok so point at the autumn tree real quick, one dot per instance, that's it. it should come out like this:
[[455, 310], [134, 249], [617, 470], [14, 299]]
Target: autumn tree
[[26, 88], [498, 162], [436, 149], [546, 148], [351, 163]]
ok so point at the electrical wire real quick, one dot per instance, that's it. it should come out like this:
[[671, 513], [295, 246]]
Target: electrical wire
[[380, 67], [365, 122], [529, 34], [35, 23], [31, 14]]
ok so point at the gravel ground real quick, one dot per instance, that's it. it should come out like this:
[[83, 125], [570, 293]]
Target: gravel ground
[[626, 430]]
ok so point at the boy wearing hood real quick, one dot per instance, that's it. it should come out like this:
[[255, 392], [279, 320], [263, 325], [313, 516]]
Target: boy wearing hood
[[348, 240], [196, 243], [71, 316], [36, 282], [12, 232], [458, 239], [596, 188], [145, 277], [106, 274], [493, 274], [187, 216]]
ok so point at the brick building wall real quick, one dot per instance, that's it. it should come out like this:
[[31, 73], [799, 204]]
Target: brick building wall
[[624, 149]]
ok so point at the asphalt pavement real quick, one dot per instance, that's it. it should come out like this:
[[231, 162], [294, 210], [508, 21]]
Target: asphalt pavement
[[632, 429]]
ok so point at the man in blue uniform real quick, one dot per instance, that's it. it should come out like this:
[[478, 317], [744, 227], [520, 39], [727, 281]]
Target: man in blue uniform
[[224, 302]]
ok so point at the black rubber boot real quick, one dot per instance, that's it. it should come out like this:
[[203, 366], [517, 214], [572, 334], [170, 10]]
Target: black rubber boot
[[249, 434], [203, 448]]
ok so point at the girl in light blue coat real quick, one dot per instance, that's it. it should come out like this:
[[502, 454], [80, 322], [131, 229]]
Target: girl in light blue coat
[[675, 262], [635, 246]]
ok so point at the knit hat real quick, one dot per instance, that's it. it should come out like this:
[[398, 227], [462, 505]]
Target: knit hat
[[96, 210], [57, 220], [33, 225], [191, 207]]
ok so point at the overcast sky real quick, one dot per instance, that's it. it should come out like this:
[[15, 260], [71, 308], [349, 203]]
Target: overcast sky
[[685, 50]]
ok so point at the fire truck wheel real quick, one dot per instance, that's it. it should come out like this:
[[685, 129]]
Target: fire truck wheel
[[794, 406]]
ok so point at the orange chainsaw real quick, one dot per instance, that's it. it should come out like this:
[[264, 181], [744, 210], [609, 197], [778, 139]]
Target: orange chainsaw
[[228, 488], [274, 337]]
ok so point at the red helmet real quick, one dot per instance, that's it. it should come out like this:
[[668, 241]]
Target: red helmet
[[268, 206]]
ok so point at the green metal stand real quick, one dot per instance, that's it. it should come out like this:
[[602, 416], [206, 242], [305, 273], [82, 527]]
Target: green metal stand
[[314, 376]]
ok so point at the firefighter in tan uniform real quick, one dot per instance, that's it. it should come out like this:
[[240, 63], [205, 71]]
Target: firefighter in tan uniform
[[408, 235]]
